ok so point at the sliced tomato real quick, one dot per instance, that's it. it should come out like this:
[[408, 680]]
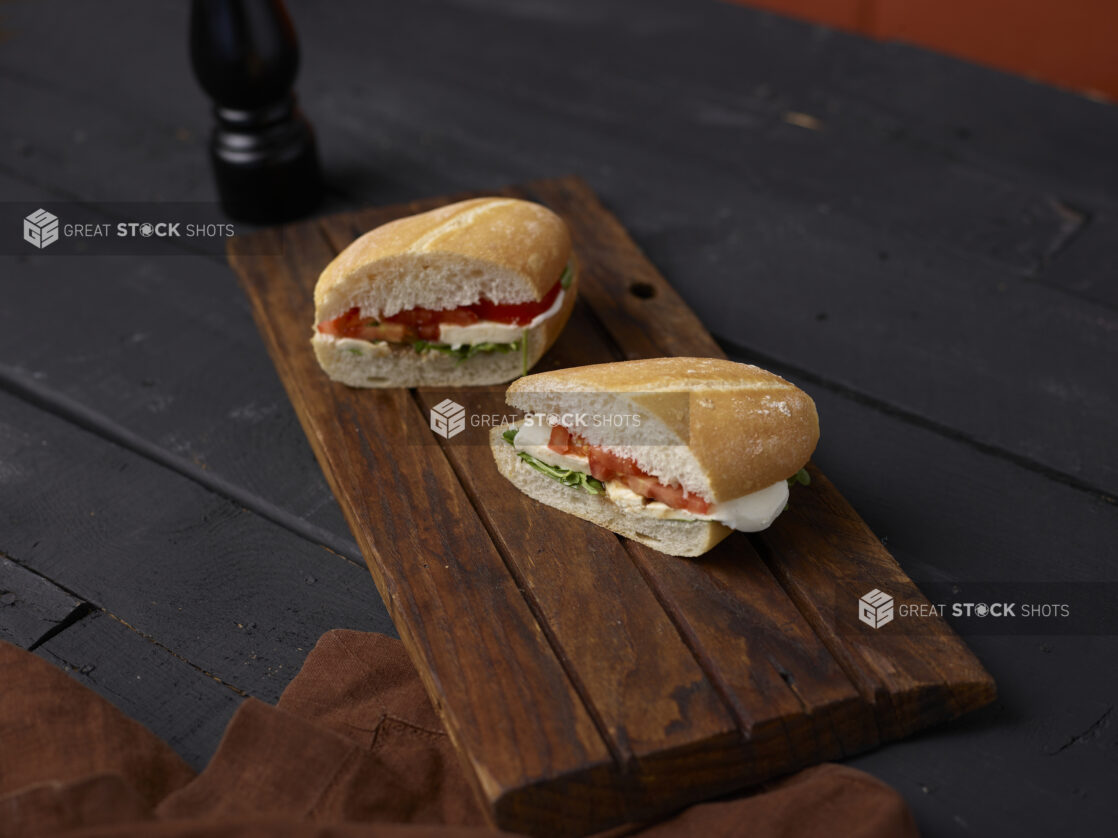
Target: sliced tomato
[[425, 322], [416, 323], [345, 326], [605, 465], [560, 439], [578, 446], [353, 325], [458, 316], [563, 441], [517, 314], [672, 496]]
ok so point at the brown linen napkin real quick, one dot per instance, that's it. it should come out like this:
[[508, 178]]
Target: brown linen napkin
[[354, 748]]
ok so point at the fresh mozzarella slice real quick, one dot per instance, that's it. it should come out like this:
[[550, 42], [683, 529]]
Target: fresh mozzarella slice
[[487, 331]]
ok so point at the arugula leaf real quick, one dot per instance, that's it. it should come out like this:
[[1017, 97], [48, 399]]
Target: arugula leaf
[[567, 277], [566, 476], [801, 477]]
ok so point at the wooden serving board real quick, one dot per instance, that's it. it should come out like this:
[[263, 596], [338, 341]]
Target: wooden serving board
[[587, 680]]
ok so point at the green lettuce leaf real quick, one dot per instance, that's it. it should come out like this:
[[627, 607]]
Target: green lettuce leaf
[[566, 476], [801, 477], [566, 278]]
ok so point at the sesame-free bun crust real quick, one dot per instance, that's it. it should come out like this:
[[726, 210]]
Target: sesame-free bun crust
[[675, 538], [504, 249], [724, 429]]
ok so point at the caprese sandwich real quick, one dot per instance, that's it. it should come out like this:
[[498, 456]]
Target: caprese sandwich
[[466, 294], [707, 446]]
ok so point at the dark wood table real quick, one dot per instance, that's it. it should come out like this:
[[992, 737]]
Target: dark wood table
[[928, 247]]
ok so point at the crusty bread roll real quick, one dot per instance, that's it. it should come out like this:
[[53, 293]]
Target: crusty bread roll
[[738, 429], [503, 250], [719, 430]]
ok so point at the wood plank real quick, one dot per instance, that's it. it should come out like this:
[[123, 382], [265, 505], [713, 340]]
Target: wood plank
[[598, 610], [442, 584], [692, 595], [185, 707], [950, 514], [826, 558], [1089, 263], [32, 607], [794, 701], [941, 677], [638, 309], [666, 722], [730, 73], [709, 697], [997, 358], [236, 595], [932, 493], [817, 237], [172, 359], [640, 708]]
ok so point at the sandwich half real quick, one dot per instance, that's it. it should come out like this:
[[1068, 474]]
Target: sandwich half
[[675, 453], [470, 293]]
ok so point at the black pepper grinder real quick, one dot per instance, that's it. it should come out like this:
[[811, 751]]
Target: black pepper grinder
[[245, 56]]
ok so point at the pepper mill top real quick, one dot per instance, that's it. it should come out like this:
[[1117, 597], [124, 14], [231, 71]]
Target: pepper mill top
[[245, 56]]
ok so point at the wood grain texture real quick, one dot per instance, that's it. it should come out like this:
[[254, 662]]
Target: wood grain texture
[[659, 88], [438, 572], [950, 516], [146, 681], [587, 681], [597, 610], [33, 608], [788, 694], [953, 172], [826, 558], [204, 576]]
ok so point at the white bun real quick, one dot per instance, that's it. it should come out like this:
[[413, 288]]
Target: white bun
[[503, 249]]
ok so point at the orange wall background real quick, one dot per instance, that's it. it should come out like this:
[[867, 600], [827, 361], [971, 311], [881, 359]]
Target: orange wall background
[[1068, 43]]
